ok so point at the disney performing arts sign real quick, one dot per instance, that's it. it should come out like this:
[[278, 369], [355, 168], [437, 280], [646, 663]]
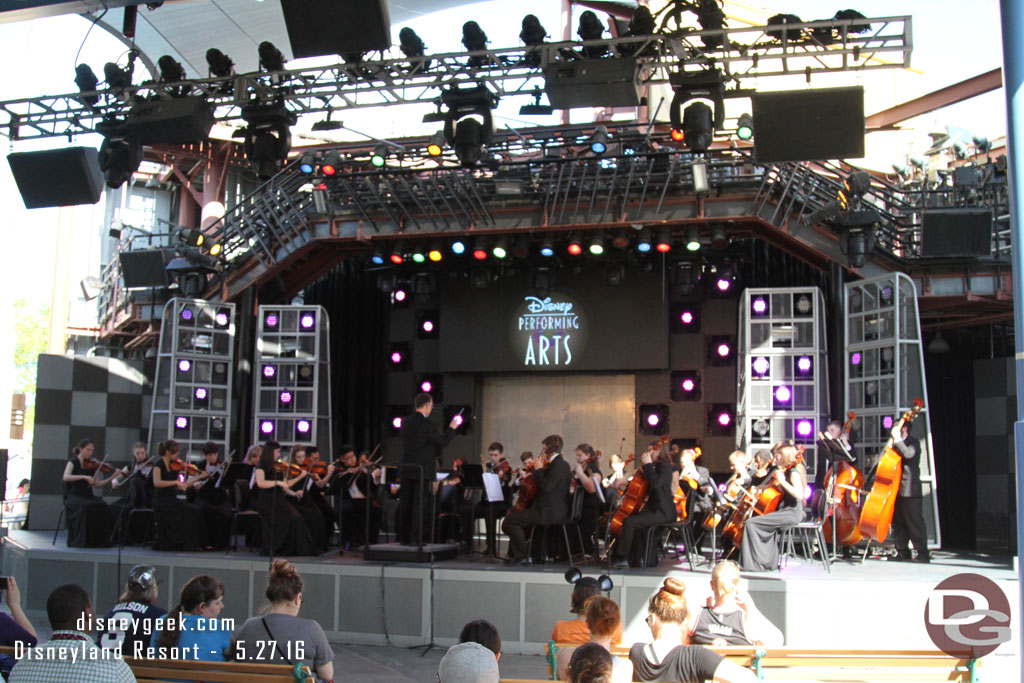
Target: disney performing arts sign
[[549, 332]]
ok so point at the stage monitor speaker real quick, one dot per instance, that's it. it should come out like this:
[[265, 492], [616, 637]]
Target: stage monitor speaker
[[146, 268], [177, 121], [57, 177], [956, 233], [593, 83], [336, 27], [808, 125]]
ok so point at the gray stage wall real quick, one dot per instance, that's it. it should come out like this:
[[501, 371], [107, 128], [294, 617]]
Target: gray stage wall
[[995, 410]]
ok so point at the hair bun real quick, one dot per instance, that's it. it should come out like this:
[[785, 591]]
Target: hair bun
[[674, 586], [283, 569]]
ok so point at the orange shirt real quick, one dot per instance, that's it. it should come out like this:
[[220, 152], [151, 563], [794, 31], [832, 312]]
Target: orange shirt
[[574, 631]]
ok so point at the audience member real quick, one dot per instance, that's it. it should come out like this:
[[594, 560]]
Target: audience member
[[201, 635], [483, 632], [605, 623], [468, 663], [732, 618], [575, 630], [129, 624], [669, 658], [591, 663], [295, 639], [71, 654], [15, 627]]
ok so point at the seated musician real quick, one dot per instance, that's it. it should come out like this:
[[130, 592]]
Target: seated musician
[[617, 479], [527, 461], [739, 463], [491, 512], [551, 506], [760, 548], [586, 473], [731, 618], [761, 466], [210, 496], [354, 482], [833, 431], [662, 475], [89, 518], [140, 493]]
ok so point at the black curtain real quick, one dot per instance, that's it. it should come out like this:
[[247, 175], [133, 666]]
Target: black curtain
[[358, 314]]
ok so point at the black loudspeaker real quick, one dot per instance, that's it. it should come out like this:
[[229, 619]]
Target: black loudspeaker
[[177, 121], [956, 233], [146, 268], [336, 27], [808, 125], [57, 177], [593, 83]]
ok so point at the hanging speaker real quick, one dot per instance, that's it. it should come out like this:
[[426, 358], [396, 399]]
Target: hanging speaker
[[336, 27], [808, 125], [57, 177]]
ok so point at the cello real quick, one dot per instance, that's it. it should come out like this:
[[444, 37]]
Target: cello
[[760, 500], [635, 496], [876, 512], [528, 489], [843, 487]]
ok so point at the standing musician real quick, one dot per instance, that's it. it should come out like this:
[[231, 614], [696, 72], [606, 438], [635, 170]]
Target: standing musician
[[421, 445], [662, 470], [490, 512], [585, 473], [356, 480], [760, 548], [211, 498], [907, 518], [551, 505]]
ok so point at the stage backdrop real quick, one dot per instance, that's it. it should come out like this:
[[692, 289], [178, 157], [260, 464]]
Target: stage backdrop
[[516, 325]]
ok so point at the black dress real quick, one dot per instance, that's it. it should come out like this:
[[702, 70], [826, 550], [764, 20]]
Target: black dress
[[310, 512], [89, 518], [284, 528], [212, 499], [180, 525], [593, 507], [760, 549]]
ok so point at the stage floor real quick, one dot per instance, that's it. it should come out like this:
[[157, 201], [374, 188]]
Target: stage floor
[[875, 604]]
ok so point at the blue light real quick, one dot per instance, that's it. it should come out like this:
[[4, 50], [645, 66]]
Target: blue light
[[377, 259], [458, 247], [306, 168], [598, 147], [643, 246], [547, 251]]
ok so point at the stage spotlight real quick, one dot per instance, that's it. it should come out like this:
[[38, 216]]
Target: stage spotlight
[[677, 134], [721, 419], [474, 39], [500, 248], [664, 242], [271, 58], [398, 253], [426, 325], [653, 419], [599, 140], [685, 276], [596, 246], [395, 416], [435, 146], [267, 136], [458, 247], [854, 187], [417, 254], [331, 164], [468, 123], [782, 398], [400, 356], [685, 385], [435, 254], [379, 156], [719, 236], [480, 249], [412, 46], [547, 246], [699, 170], [220, 64], [468, 142], [759, 306], [192, 237], [804, 430], [117, 78], [574, 248], [171, 70], [432, 384], [400, 297], [692, 238], [377, 257], [698, 128], [760, 367], [620, 239], [521, 247], [590, 28], [533, 32], [804, 368], [307, 321], [745, 127], [307, 163], [86, 81], [684, 318], [643, 241], [119, 158], [720, 350]]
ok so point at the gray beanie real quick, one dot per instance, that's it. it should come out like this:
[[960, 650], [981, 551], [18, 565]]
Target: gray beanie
[[468, 663]]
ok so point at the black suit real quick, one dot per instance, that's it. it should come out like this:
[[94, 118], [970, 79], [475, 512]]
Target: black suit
[[551, 506], [908, 519], [660, 508], [421, 445]]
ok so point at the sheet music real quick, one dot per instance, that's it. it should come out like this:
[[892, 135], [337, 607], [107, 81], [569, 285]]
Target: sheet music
[[492, 487]]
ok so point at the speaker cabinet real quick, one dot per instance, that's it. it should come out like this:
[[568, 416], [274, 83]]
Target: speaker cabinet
[[808, 125], [57, 177], [956, 233], [336, 27], [146, 268], [593, 83]]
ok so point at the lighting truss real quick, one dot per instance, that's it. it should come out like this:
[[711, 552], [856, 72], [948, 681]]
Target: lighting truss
[[743, 53]]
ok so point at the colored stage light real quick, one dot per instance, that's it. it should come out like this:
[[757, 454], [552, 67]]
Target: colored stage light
[[745, 127], [804, 365], [396, 422], [307, 321], [285, 397], [201, 393], [643, 241], [427, 326], [723, 284], [186, 314], [396, 357], [547, 247], [418, 256], [399, 296], [664, 242], [426, 386], [379, 156], [435, 255], [653, 419], [855, 358], [436, 144], [377, 258], [688, 384], [686, 317], [267, 427], [761, 366], [457, 419], [307, 162], [887, 422], [677, 135], [596, 245], [722, 350], [783, 394], [270, 320], [458, 247], [721, 419], [184, 365], [692, 238], [269, 371], [574, 248], [685, 385], [181, 422], [480, 254], [724, 419], [759, 306], [222, 319], [397, 257], [599, 140], [500, 249], [804, 428], [303, 426]]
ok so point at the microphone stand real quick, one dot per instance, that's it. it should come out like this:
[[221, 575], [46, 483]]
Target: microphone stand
[[119, 526]]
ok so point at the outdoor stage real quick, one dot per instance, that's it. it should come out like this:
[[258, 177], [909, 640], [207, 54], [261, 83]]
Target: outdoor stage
[[876, 604]]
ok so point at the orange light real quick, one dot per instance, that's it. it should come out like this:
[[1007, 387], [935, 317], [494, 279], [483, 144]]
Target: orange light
[[328, 169], [677, 135], [434, 150], [434, 255]]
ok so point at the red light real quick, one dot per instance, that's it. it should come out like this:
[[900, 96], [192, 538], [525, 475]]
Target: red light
[[677, 135], [664, 247], [396, 258], [480, 254], [575, 249], [328, 169], [322, 186]]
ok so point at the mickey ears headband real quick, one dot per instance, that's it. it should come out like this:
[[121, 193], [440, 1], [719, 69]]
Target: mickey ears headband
[[574, 575]]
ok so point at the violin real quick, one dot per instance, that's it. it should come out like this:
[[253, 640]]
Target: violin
[[92, 465], [502, 469], [178, 465], [289, 469], [880, 503], [528, 488]]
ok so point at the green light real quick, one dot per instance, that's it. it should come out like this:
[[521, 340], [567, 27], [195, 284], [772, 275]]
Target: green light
[[377, 161], [745, 127], [596, 249], [499, 252], [418, 257], [693, 245]]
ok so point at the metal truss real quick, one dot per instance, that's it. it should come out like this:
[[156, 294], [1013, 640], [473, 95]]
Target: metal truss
[[810, 48]]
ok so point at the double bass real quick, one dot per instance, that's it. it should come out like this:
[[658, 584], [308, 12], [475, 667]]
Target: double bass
[[880, 502], [843, 486]]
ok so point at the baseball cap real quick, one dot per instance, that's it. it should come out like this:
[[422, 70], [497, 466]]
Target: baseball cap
[[468, 663], [142, 577]]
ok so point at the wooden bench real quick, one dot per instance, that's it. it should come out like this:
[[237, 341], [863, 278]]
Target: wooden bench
[[808, 664]]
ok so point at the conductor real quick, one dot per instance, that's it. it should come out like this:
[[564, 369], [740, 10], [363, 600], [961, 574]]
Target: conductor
[[421, 445]]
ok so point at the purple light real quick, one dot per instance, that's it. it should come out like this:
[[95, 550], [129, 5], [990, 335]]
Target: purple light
[[184, 365], [803, 364], [307, 321], [688, 384], [267, 427], [653, 419], [428, 326], [201, 393], [724, 419], [761, 365], [396, 357], [760, 305], [221, 318], [723, 350], [457, 420], [269, 371], [887, 422], [181, 422], [400, 295], [855, 358], [783, 394], [302, 426], [686, 317], [426, 386], [186, 314], [271, 320], [804, 428], [286, 397], [396, 422], [723, 284]]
